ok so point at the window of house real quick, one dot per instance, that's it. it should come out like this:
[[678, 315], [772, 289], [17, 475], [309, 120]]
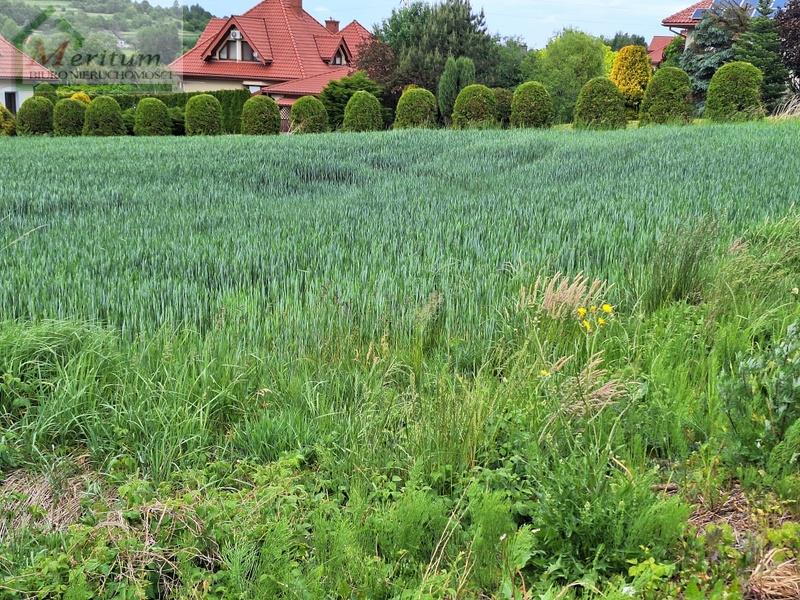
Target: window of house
[[247, 52], [229, 51], [10, 101], [340, 58]]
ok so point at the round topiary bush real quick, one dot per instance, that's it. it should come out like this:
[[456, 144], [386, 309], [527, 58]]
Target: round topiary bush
[[261, 116], [35, 117], [631, 72], [104, 118], [475, 107], [46, 90], [416, 108], [363, 113], [503, 99], [734, 93], [600, 106], [152, 118], [68, 116], [82, 97], [8, 124], [668, 98], [178, 120], [309, 116], [203, 115], [532, 106]]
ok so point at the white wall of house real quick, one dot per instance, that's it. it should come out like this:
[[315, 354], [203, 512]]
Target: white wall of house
[[23, 91], [211, 85]]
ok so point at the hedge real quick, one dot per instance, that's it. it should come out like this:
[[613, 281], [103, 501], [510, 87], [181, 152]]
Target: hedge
[[668, 98], [363, 113], [46, 90], [104, 118], [178, 119], [475, 107], [129, 118], [261, 116], [734, 93], [417, 107], [68, 117], [503, 99], [232, 102], [8, 124], [600, 106], [203, 115], [82, 97], [152, 118], [309, 115], [35, 117], [532, 106]]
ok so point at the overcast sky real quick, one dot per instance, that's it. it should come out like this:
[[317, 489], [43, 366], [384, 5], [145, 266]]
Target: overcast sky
[[533, 20]]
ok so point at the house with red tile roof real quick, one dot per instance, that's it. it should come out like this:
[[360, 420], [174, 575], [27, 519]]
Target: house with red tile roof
[[656, 48], [19, 73], [275, 48], [682, 23]]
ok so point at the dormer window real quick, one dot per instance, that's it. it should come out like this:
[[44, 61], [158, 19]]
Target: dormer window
[[340, 58], [236, 48]]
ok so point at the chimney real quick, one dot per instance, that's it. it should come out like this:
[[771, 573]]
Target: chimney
[[332, 25], [295, 5]]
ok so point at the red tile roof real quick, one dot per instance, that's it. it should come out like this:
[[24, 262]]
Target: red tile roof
[[309, 86], [17, 65], [657, 46], [291, 45], [685, 17]]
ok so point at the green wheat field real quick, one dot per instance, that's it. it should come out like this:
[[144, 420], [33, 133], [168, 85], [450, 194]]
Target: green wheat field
[[404, 365]]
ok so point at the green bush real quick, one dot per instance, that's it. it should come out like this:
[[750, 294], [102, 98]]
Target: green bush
[[104, 118], [600, 106], [68, 116], [309, 116], [416, 108], [668, 98], [152, 118], [503, 99], [735, 93], [35, 117], [46, 90], [129, 118], [363, 113], [261, 116], [475, 108], [531, 106], [178, 120], [337, 94], [8, 124], [203, 115]]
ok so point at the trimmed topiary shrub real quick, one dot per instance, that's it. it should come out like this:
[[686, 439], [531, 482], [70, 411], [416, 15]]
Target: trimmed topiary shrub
[[46, 90], [8, 124], [600, 106], [261, 116], [178, 120], [735, 93], [35, 117], [203, 115], [631, 73], [503, 99], [309, 115], [68, 116], [416, 108], [532, 106], [152, 118], [104, 118], [363, 113], [475, 108], [668, 98], [82, 97]]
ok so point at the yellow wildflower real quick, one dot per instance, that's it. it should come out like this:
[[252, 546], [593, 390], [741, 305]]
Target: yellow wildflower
[[593, 309], [601, 322], [586, 325], [544, 373], [581, 312], [608, 309]]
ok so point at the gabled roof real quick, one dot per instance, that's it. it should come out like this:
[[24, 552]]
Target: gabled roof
[[657, 46], [291, 44], [687, 17], [309, 86], [15, 64]]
